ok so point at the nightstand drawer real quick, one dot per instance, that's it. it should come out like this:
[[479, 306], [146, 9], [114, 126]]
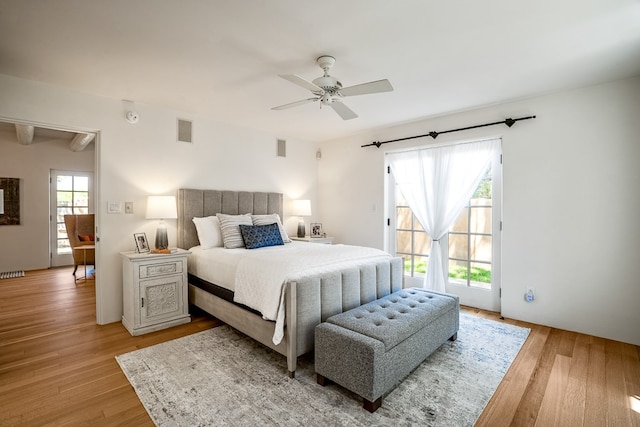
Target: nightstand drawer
[[160, 269]]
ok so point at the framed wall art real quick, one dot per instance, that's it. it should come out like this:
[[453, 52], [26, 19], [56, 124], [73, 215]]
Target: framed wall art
[[9, 201]]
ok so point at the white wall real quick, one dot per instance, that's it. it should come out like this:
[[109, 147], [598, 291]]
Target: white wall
[[26, 246], [137, 160], [571, 202]]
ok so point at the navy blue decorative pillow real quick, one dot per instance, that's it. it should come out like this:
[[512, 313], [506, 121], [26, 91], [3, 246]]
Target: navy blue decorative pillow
[[259, 236]]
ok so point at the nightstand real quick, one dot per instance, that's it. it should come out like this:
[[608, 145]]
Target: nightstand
[[154, 291], [308, 239]]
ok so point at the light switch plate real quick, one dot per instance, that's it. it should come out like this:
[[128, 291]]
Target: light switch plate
[[128, 207], [114, 207]]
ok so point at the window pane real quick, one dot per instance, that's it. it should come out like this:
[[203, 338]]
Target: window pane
[[403, 218], [462, 221], [422, 243], [403, 241], [81, 183], [458, 246], [65, 182], [416, 224], [484, 190], [81, 211], [458, 272], [64, 198], [61, 231], [481, 248], [420, 265], [481, 220], [62, 212], [63, 247], [81, 198], [481, 275]]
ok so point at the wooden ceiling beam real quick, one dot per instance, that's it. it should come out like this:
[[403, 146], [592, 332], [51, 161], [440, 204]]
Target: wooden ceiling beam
[[81, 140], [24, 133]]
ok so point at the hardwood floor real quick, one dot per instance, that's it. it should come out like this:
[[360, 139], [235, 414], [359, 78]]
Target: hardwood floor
[[57, 367]]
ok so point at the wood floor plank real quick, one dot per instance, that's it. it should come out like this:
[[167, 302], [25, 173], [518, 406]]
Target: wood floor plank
[[527, 411], [551, 404], [618, 411], [573, 403], [505, 401], [596, 397], [57, 367]]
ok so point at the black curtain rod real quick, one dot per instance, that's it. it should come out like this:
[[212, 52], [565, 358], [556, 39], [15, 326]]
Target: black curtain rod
[[433, 134]]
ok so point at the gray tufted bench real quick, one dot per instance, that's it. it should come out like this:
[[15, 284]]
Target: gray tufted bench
[[371, 348]]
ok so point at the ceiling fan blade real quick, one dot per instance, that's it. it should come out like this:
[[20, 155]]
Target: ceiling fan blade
[[302, 82], [365, 88], [294, 104], [343, 111]]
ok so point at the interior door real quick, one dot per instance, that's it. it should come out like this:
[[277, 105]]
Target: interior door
[[71, 193]]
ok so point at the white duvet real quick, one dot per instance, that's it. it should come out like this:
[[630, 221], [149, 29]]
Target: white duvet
[[260, 274]]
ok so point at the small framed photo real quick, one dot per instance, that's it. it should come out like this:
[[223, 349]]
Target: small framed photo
[[316, 229], [142, 245]]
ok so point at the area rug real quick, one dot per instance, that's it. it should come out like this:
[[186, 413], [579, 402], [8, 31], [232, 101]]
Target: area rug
[[221, 377]]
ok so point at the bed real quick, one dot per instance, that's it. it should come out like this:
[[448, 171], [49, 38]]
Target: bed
[[306, 300]]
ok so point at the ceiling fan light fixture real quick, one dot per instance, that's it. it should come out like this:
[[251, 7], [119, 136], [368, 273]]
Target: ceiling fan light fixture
[[326, 87]]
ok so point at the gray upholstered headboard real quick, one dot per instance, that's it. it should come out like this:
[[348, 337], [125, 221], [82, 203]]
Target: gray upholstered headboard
[[199, 203]]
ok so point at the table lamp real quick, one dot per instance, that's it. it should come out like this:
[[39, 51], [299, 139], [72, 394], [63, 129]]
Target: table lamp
[[161, 207], [301, 208]]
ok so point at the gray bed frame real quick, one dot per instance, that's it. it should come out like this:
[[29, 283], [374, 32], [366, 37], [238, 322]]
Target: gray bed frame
[[308, 302]]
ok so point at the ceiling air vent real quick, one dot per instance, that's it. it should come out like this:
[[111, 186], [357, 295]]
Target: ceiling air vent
[[184, 130]]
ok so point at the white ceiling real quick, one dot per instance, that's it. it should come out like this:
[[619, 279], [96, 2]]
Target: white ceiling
[[221, 58]]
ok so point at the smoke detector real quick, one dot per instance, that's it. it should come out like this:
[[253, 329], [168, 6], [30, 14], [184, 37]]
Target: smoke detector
[[132, 117]]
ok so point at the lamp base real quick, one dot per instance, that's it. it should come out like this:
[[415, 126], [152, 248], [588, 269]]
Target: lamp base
[[162, 241], [301, 230], [161, 251]]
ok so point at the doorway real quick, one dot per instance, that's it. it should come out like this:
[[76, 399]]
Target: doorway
[[71, 193]]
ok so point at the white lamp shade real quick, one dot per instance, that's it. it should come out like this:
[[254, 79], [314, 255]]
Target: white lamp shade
[[161, 207], [301, 208]]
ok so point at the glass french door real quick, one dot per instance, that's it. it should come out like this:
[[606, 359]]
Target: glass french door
[[473, 242], [71, 193]]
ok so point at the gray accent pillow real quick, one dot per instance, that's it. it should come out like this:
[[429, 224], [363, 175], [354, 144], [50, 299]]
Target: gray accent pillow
[[230, 227]]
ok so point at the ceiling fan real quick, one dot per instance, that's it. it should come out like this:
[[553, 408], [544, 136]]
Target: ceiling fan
[[328, 90]]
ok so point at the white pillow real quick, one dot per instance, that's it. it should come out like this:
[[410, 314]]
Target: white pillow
[[271, 219], [230, 226], [209, 233]]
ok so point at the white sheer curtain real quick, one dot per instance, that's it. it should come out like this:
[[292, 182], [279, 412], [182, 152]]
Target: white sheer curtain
[[437, 183]]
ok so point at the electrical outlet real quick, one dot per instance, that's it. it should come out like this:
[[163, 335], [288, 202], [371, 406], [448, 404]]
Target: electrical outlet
[[530, 295], [128, 207]]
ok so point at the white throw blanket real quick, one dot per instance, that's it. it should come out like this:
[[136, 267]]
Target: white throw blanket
[[261, 275]]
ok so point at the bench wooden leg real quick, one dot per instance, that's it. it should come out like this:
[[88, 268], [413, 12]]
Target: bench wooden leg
[[372, 406], [322, 380], [453, 337]]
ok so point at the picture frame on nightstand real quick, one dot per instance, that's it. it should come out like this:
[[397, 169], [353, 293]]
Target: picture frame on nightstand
[[316, 230], [142, 245]]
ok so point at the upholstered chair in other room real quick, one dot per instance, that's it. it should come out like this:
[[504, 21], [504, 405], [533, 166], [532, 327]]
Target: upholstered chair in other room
[[81, 231]]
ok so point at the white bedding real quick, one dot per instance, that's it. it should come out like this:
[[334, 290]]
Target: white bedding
[[257, 276]]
